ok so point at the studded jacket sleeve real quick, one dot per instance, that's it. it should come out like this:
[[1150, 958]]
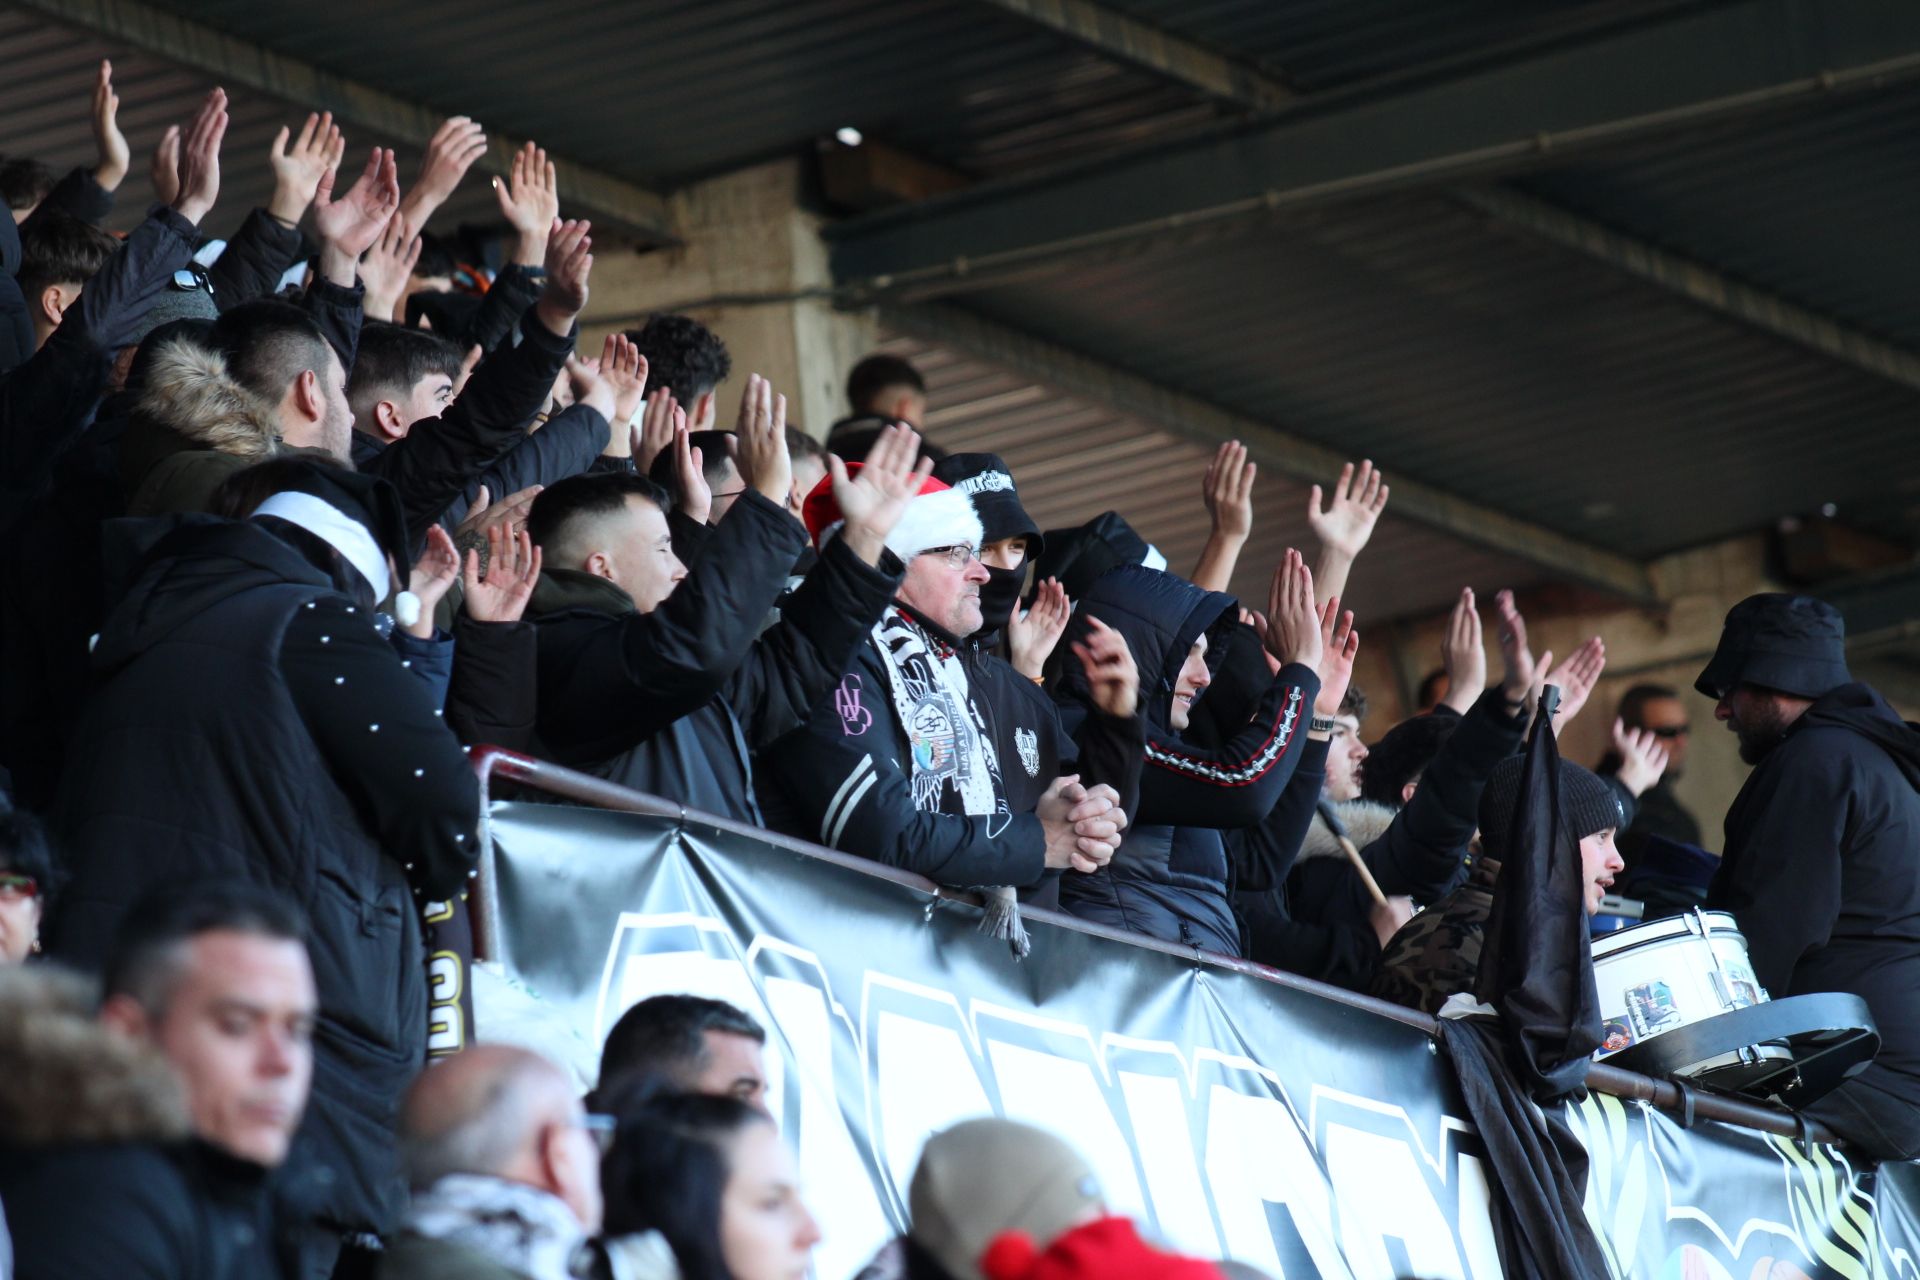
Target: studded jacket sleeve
[[381, 736]]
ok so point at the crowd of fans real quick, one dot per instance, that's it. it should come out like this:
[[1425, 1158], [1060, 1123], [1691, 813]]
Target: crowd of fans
[[300, 515]]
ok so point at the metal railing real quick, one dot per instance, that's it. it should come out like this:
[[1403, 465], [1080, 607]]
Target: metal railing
[[496, 764]]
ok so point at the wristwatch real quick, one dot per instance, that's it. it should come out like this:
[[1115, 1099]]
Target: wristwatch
[[1320, 724]]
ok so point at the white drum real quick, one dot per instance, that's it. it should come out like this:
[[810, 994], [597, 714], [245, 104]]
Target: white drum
[[1670, 973]]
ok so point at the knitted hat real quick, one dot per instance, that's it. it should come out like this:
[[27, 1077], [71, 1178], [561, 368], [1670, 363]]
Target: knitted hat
[[986, 479], [1110, 1249], [939, 517], [1587, 804], [988, 1176], [173, 302], [1794, 644]]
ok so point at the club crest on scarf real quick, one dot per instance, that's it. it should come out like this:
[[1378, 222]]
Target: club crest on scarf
[[944, 729], [1028, 743]]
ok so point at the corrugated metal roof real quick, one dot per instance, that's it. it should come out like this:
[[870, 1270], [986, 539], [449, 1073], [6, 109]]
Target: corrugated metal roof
[[660, 92], [44, 113], [1492, 365], [1074, 459], [1320, 44]]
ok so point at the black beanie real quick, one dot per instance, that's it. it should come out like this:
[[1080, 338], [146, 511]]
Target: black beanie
[[1587, 804]]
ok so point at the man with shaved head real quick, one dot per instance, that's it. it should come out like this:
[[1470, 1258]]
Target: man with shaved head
[[505, 1175]]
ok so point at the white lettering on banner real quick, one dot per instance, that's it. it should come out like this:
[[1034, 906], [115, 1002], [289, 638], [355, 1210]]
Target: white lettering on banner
[[1205, 1148]]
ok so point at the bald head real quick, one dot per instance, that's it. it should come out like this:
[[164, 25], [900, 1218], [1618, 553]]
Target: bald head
[[501, 1112]]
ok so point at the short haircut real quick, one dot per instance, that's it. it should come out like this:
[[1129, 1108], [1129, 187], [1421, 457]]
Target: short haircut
[[62, 250], [24, 850], [564, 507], [668, 1170], [492, 1131], [148, 952], [436, 258], [1354, 704], [879, 373], [667, 1036], [715, 461], [391, 361], [25, 182], [1404, 755], [683, 356], [268, 343], [801, 445], [1429, 693], [1634, 702]]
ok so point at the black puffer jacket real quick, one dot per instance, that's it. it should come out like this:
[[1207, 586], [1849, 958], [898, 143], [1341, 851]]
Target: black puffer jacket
[[1174, 875], [252, 722]]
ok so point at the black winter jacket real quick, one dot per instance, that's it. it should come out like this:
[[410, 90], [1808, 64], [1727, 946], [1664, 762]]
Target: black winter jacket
[[252, 722], [1174, 875], [605, 669], [1821, 870]]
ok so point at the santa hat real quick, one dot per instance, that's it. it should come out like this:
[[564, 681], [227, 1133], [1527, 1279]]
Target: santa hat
[[940, 516]]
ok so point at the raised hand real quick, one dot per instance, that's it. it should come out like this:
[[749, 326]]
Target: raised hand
[[1228, 490], [512, 570], [387, 267], [1643, 757], [1339, 646], [591, 387], [625, 370], [455, 145], [871, 500], [762, 458], [164, 172], [1575, 679], [1113, 678], [510, 512], [432, 577], [569, 265], [1293, 621], [1347, 522], [299, 165], [116, 157], [530, 201], [348, 226], [1032, 633], [1463, 654], [200, 159], [1517, 684], [653, 434], [696, 495]]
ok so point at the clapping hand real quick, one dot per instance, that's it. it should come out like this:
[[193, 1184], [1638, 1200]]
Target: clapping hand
[[298, 168], [348, 226], [1293, 621], [872, 499], [625, 371], [116, 157], [1348, 520], [1113, 678], [1643, 757], [1575, 679], [1463, 654], [530, 201], [455, 145], [569, 266], [653, 434], [762, 457], [388, 266], [512, 569], [432, 577], [1339, 646], [200, 159], [1228, 491], [1033, 632]]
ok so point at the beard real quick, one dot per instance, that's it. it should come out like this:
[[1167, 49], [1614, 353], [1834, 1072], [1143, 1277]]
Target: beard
[[1759, 730]]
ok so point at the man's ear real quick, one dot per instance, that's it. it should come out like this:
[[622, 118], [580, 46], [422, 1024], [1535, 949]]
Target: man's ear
[[308, 397], [703, 411], [124, 1015], [1406, 792], [600, 565], [53, 304], [389, 421]]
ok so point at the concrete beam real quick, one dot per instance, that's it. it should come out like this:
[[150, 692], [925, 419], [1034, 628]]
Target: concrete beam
[[1697, 283], [1704, 66], [1125, 38], [230, 61], [1267, 444]]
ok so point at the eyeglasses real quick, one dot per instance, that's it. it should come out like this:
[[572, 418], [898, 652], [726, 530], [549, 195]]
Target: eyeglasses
[[16, 886], [601, 1129], [957, 556]]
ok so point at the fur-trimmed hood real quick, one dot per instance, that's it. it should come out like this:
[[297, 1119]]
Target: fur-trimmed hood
[[189, 391], [71, 1080], [1366, 821]]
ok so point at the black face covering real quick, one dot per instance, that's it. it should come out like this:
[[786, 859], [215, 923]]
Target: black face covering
[[998, 596]]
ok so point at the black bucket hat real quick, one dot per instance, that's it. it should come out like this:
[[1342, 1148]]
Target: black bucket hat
[[1794, 644], [989, 482]]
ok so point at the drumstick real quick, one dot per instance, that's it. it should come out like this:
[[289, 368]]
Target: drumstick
[[1339, 830]]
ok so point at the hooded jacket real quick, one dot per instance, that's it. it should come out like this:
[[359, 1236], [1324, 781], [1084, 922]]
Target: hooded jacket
[[251, 721], [97, 1171], [1174, 875], [194, 426], [1821, 873], [676, 702]]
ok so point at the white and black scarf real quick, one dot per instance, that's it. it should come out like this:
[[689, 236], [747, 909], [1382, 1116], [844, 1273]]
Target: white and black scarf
[[955, 768]]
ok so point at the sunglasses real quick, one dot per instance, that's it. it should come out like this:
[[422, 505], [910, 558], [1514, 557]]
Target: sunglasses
[[957, 556], [15, 886], [192, 276]]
